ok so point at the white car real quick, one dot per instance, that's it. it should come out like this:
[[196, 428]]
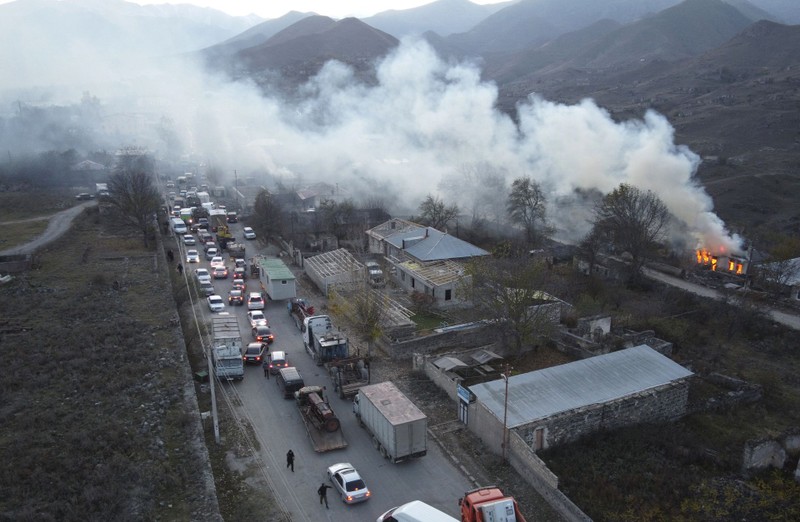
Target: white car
[[215, 303], [255, 301], [216, 261], [249, 233], [348, 483], [192, 256], [257, 318], [202, 275], [189, 240], [211, 252]]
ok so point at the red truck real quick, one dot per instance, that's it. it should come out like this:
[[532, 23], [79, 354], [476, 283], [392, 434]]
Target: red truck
[[489, 503]]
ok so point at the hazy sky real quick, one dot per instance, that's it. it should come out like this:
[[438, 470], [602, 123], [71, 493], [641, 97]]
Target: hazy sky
[[332, 8]]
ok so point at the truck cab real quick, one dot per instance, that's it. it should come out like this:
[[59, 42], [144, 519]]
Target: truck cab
[[489, 504]]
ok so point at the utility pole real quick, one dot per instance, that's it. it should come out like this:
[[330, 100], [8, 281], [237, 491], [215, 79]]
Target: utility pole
[[506, 375]]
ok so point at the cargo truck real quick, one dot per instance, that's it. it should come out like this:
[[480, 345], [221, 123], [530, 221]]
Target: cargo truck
[[397, 426], [322, 341], [226, 348]]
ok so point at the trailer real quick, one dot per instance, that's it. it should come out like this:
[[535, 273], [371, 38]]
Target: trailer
[[322, 425], [226, 348], [279, 281], [299, 310], [348, 375], [397, 426]]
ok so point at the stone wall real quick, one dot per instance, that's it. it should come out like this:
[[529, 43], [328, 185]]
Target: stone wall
[[479, 334], [545, 482], [667, 402]]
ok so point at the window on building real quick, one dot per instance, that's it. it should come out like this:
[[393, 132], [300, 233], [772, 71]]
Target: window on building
[[402, 276], [448, 294], [413, 283], [284, 282]]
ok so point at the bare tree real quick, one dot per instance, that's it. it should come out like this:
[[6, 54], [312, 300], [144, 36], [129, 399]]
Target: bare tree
[[633, 220], [510, 292], [527, 206], [435, 213], [267, 213], [364, 309], [337, 217], [481, 190], [132, 192]]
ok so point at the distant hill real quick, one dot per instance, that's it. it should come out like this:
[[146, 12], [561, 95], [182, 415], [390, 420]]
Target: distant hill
[[300, 50], [443, 17], [254, 36], [529, 23], [734, 104]]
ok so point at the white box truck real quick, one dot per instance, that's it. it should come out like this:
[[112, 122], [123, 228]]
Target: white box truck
[[397, 426], [226, 348]]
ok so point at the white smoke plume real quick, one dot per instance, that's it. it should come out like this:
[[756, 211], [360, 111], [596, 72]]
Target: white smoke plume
[[417, 131]]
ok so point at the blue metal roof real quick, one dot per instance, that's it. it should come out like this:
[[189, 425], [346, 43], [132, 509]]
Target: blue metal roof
[[429, 244], [537, 395]]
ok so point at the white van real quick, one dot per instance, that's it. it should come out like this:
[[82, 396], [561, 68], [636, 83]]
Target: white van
[[178, 225], [415, 511]]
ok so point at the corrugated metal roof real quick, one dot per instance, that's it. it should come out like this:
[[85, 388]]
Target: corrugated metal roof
[[276, 269], [433, 245], [543, 393], [448, 363]]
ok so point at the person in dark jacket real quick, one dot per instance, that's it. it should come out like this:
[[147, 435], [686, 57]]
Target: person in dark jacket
[[290, 460], [323, 494]]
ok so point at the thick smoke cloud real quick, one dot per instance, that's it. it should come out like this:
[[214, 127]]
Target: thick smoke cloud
[[421, 128]]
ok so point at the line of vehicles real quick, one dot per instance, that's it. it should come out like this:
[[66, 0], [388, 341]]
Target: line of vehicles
[[397, 427]]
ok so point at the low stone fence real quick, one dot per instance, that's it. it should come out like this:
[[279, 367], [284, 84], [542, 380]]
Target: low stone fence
[[538, 475], [474, 335]]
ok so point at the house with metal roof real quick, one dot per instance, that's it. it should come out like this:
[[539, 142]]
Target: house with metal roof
[[562, 403], [424, 259]]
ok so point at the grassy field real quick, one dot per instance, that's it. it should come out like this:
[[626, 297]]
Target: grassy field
[[15, 234], [26, 205], [95, 422]]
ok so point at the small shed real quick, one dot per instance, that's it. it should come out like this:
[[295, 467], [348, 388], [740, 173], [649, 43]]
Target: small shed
[[278, 280]]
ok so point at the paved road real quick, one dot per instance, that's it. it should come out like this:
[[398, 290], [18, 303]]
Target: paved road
[[278, 428], [58, 225], [789, 319]]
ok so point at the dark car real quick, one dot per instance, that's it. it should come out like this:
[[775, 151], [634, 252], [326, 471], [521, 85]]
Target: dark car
[[235, 297], [254, 353], [263, 334], [232, 217]]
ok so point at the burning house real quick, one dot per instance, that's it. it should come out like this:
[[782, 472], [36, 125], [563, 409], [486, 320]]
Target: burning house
[[733, 264]]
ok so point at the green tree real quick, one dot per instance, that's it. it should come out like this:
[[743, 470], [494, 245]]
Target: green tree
[[133, 193], [633, 220], [527, 206], [433, 212]]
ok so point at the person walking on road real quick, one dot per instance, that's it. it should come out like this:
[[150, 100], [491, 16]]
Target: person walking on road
[[180, 268], [323, 494], [290, 460], [265, 364]]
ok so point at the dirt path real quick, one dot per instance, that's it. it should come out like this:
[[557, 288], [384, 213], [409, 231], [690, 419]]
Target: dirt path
[[786, 318], [59, 223]]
